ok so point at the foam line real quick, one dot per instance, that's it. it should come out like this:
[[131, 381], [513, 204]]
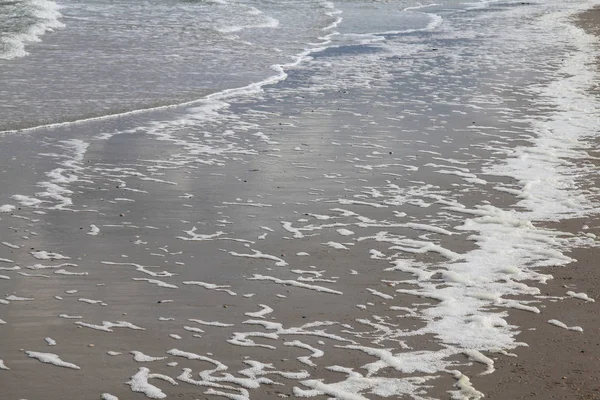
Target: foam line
[[465, 387], [316, 353], [138, 356], [260, 255], [336, 245], [139, 383], [265, 310], [12, 297], [7, 208], [211, 323], [108, 326], [157, 283], [257, 277], [564, 326], [212, 286], [581, 296], [49, 358], [45, 255]]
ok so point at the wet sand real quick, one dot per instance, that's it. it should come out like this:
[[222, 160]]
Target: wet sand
[[557, 364]]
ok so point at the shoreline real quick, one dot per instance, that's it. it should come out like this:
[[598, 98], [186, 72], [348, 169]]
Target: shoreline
[[558, 363]]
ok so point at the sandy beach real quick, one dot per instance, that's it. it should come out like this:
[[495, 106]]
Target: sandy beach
[[557, 364], [406, 226]]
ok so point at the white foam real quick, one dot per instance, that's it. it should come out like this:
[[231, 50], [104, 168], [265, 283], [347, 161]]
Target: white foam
[[3, 366], [41, 266], [466, 391], [412, 245], [467, 176], [27, 200], [477, 356], [139, 383], [419, 270], [138, 356], [45, 255], [47, 19], [34, 275], [190, 356], [380, 294], [12, 297], [564, 326], [6, 208], [336, 245], [49, 358], [294, 283], [107, 326], [429, 228], [157, 283], [406, 362], [265, 310], [249, 204], [355, 383], [360, 202], [260, 255], [142, 268], [90, 301], [108, 396], [242, 339], [94, 230], [267, 22], [316, 353], [50, 341], [193, 329], [581, 296], [199, 236], [212, 286], [65, 272]]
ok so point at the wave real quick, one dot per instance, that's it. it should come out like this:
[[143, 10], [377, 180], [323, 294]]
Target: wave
[[44, 17], [218, 99], [264, 21]]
